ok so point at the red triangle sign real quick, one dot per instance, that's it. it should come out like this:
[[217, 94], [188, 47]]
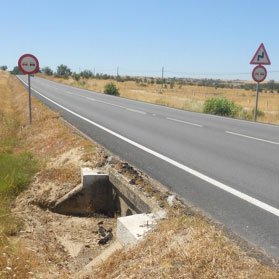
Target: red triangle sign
[[261, 56]]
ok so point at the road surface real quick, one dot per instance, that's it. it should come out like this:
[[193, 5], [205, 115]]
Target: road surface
[[228, 168]]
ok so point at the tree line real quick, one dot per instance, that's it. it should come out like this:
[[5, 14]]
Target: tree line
[[63, 71]]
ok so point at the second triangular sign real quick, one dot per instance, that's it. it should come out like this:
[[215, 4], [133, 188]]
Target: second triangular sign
[[261, 56]]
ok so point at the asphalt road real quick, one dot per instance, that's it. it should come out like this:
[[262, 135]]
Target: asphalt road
[[228, 168]]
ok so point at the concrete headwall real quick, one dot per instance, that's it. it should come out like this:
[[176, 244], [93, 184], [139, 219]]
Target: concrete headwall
[[107, 194]]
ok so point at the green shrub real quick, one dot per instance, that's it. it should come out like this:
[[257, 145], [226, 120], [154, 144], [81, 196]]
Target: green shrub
[[111, 89], [221, 106]]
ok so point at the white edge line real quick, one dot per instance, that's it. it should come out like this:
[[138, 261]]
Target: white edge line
[[181, 121], [203, 177], [249, 137]]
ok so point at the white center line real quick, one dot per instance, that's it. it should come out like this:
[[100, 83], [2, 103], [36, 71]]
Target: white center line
[[135, 110], [185, 122], [118, 106], [220, 185], [249, 137]]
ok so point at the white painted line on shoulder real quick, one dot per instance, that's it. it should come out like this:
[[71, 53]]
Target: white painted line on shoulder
[[201, 176], [253, 138], [185, 122]]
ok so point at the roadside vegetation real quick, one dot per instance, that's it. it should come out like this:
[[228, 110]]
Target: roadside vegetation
[[17, 169], [24, 151], [221, 106], [182, 93], [111, 89], [185, 245]]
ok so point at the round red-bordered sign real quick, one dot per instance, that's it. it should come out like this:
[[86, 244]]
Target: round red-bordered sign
[[28, 64], [259, 73]]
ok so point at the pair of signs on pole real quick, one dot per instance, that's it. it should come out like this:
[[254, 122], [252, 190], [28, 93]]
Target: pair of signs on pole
[[260, 58]]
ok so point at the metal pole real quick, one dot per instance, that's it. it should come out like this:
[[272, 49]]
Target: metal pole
[[162, 79], [29, 91], [256, 106]]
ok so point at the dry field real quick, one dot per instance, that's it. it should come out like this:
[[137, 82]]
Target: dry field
[[186, 97], [185, 245]]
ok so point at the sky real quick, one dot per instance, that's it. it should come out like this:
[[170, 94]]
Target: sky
[[189, 38]]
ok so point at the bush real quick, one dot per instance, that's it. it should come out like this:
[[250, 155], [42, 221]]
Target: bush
[[47, 71], [63, 71], [221, 106], [76, 76], [3, 68], [111, 89], [86, 74], [16, 71]]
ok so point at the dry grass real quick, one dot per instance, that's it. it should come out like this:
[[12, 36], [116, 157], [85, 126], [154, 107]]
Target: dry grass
[[66, 174], [15, 260], [186, 97], [47, 138], [184, 247]]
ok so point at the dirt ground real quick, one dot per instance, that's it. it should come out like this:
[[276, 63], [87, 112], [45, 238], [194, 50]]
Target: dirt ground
[[64, 243]]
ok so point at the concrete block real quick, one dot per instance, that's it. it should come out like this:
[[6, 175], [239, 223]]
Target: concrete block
[[131, 229]]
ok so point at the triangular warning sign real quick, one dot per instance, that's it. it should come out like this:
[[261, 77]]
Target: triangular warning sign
[[261, 56]]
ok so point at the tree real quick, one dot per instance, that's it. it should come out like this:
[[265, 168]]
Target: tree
[[76, 76], [3, 68], [47, 71], [63, 71], [86, 74], [16, 71], [111, 89]]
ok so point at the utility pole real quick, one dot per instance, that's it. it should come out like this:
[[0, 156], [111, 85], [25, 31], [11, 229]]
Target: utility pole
[[117, 73], [162, 82]]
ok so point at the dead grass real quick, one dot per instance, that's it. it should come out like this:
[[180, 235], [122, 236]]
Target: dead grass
[[185, 97], [15, 260], [66, 174], [46, 139], [184, 247]]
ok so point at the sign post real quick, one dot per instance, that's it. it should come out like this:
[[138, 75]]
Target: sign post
[[29, 64], [259, 72]]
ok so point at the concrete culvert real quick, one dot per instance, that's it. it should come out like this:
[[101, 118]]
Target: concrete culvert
[[100, 193]]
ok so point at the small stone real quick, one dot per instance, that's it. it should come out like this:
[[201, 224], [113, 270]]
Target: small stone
[[171, 199]]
